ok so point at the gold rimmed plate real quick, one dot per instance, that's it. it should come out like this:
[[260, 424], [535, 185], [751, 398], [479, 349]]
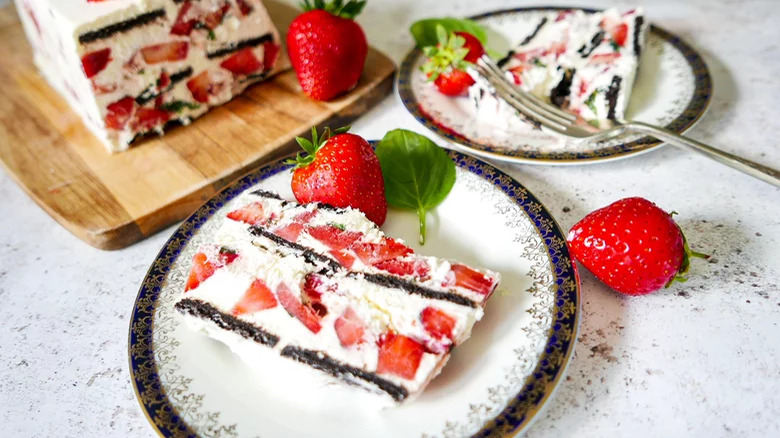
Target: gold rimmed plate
[[494, 385], [672, 89]]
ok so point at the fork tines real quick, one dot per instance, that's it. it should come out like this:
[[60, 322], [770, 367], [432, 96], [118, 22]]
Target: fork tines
[[534, 109]]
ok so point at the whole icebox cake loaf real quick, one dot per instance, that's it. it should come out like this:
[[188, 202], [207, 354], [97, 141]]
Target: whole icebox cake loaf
[[583, 62], [324, 287], [135, 67]]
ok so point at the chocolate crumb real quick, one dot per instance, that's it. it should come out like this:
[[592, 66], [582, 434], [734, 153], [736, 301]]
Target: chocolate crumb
[[604, 351], [566, 209]]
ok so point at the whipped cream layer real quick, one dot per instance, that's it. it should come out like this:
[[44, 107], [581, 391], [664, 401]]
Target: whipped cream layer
[[271, 276], [135, 67]]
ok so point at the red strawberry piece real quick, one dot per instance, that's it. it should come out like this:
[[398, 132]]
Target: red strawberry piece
[[214, 18], [188, 18], [314, 286], [289, 232], [296, 309], [292, 230], [373, 253], [270, 53], [558, 48], [165, 52], [415, 268], [244, 7], [476, 281], [95, 62], [342, 171], [227, 256], [257, 297], [619, 34], [399, 355], [100, 89], [583, 87], [252, 214], [437, 322], [632, 246], [529, 55], [147, 119], [119, 113], [185, 22], [344, 258], [333, 237], [243, 62], [201, 270], [517, 73], [454, 83], [311, 294], [563, 14], [164, 81], [200, 87], [349, 328], [328, 51], [473, 44], [603, 58]]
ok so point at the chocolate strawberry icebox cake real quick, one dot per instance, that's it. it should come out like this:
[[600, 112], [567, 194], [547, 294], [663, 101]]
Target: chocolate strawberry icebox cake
[[584, 62], [323, 287], [137, 67]]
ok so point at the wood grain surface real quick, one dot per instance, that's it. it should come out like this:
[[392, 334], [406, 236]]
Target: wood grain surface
[[112, 201]]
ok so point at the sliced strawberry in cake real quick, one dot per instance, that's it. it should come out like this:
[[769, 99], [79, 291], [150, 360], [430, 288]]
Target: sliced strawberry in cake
[[256, 298]]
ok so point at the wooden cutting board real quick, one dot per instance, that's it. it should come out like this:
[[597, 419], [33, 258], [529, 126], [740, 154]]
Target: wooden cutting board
[[112, 201]]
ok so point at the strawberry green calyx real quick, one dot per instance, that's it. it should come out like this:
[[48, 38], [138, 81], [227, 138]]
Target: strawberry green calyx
[[348, 10], [312, 146], [449, 53], [682, 274]]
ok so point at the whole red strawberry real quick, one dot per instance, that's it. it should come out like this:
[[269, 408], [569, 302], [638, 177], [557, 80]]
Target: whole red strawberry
[[342, 171], [632, 246], [327, 47], [448, 60]]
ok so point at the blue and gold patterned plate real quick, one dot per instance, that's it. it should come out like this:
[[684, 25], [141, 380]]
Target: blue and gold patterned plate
[[494, 385], [672, 89]]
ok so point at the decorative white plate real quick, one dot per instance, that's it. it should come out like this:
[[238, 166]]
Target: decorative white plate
[[672, 89], [494, 384]]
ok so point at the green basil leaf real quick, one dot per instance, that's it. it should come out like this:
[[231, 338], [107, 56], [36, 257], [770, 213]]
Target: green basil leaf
[[418, 174], [424, 31]]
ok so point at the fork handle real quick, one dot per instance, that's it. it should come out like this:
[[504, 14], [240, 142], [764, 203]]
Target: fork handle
[[764, 173]]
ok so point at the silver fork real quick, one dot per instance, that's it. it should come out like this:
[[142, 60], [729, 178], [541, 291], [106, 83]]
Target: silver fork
[[554, 119]]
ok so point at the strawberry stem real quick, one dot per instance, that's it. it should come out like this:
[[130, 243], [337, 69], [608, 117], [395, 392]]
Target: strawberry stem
[[348, 10], [312, 146], [448, 54], [682, 273]]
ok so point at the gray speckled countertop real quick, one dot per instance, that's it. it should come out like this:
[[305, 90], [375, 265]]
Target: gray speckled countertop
[[700, 359]]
